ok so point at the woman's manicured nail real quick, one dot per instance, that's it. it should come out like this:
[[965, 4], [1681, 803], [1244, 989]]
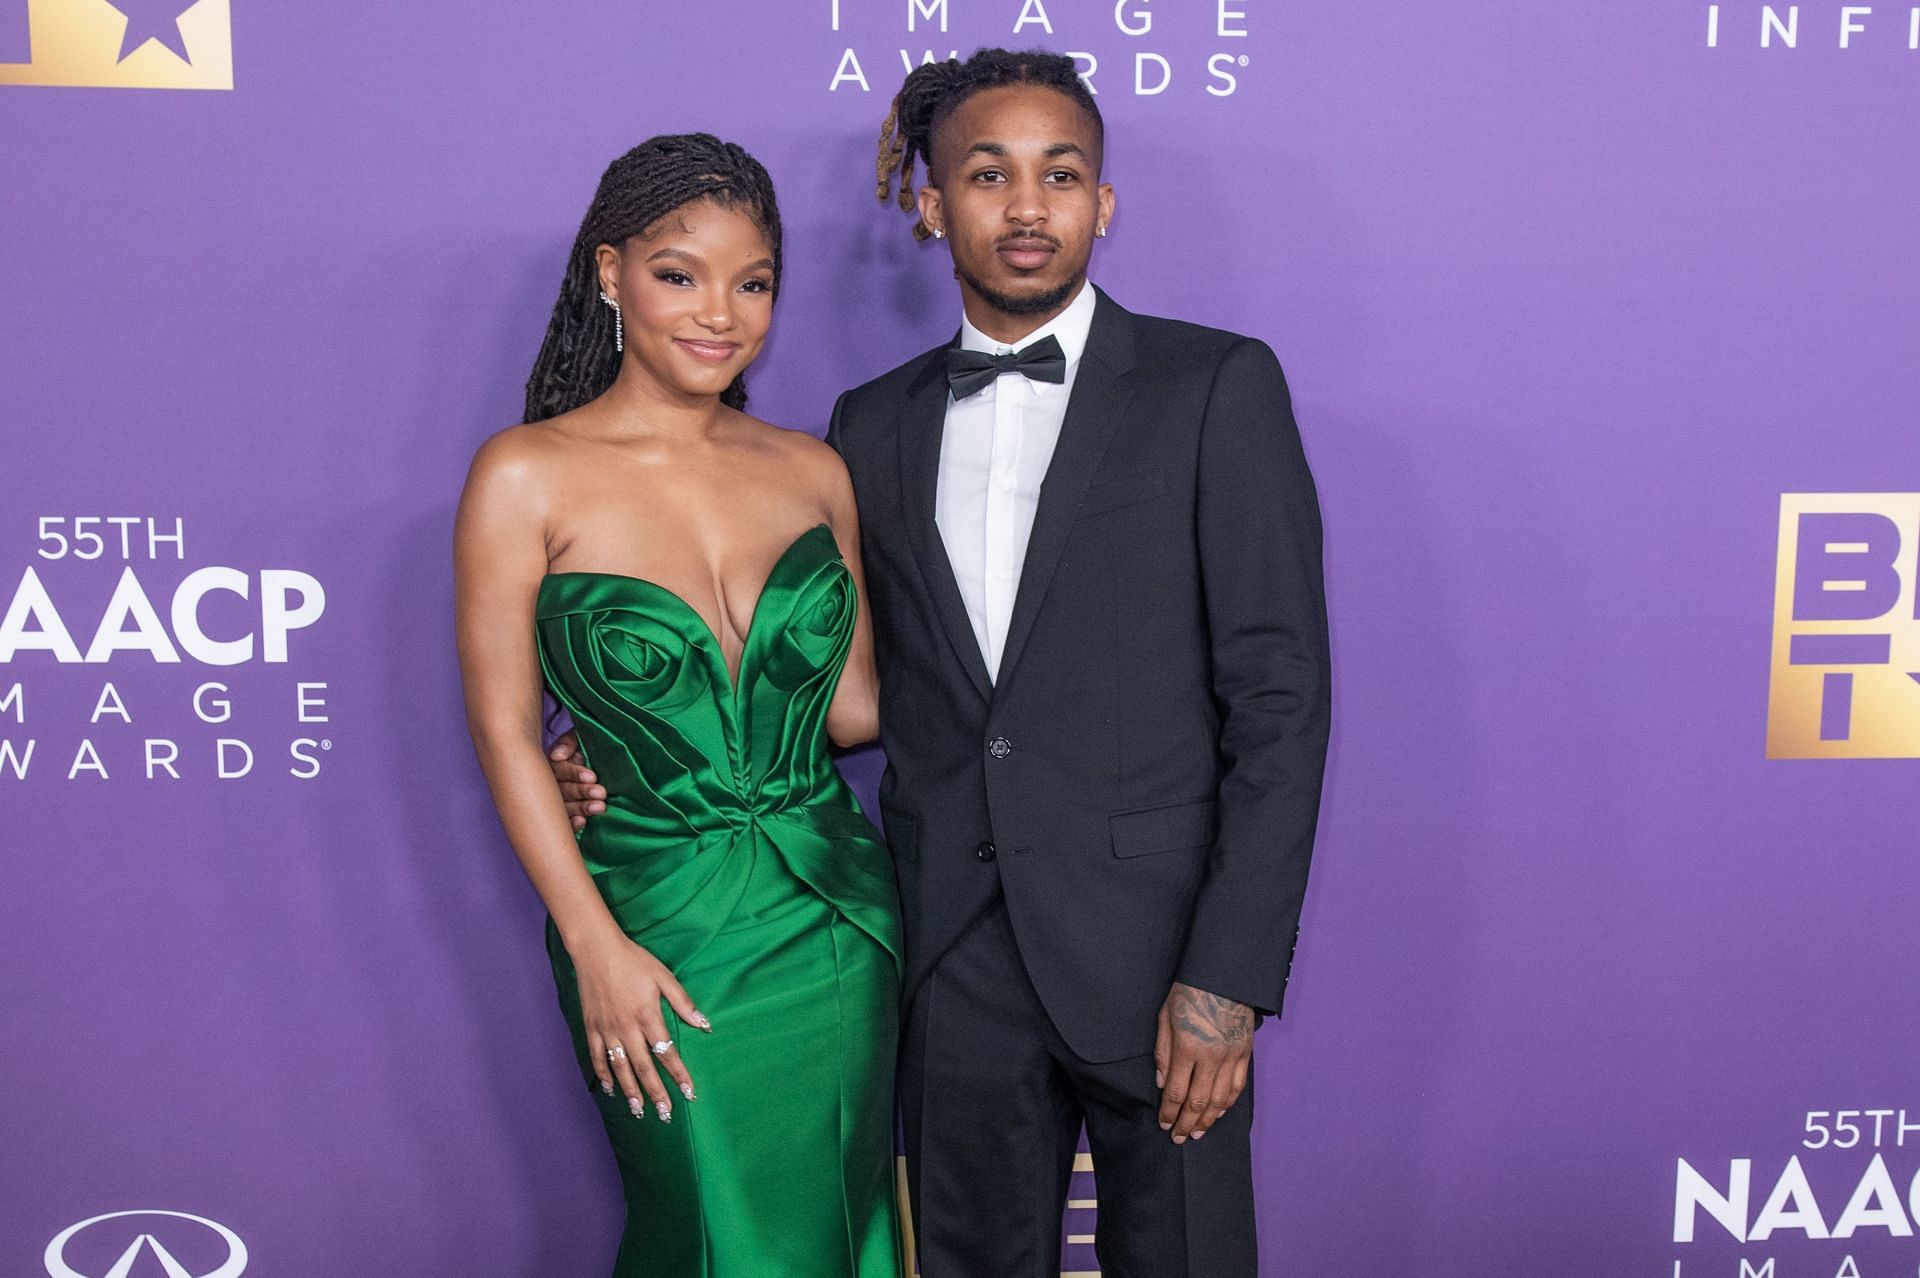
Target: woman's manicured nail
[[665, 1111], [686, 1090], [635, 1106], [700, 1019], [607, 1088]]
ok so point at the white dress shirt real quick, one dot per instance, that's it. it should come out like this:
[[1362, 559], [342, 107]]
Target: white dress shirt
[[994, 453]]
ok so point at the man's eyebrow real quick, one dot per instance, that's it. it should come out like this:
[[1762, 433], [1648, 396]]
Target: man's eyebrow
[[1053, 152]]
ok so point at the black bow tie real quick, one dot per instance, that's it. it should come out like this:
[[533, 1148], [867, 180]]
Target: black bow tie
[[970, 372]]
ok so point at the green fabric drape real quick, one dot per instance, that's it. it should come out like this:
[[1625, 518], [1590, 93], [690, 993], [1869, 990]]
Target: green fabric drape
[[733, 851]]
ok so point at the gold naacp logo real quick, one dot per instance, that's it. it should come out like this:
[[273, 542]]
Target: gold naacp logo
[[127, 44], [1846, 628]]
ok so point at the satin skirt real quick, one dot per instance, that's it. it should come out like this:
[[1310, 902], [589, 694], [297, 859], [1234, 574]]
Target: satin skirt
[[784, 1165]]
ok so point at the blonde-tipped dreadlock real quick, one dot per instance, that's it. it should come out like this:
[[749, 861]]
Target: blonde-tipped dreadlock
[[934, 90]]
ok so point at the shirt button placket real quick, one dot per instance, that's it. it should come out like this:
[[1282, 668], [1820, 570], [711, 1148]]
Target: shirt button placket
[[1006, 447]]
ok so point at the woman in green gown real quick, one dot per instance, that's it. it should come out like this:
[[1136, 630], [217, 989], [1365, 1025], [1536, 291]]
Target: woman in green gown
[[685, 581]]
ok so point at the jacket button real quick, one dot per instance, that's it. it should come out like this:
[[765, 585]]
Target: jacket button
[[999, 747], [986, 852]]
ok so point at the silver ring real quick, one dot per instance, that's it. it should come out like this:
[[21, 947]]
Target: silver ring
[[662, 1047], [616, 1053]]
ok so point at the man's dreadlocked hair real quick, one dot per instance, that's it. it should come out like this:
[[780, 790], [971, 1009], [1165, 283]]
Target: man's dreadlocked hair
[[934, 90], [577, 361]]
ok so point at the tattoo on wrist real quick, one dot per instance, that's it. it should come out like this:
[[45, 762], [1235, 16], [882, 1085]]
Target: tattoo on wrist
[[1212, 1019]]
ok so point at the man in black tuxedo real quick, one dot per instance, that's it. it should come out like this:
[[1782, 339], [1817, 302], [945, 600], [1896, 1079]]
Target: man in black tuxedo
[[1092, 553]]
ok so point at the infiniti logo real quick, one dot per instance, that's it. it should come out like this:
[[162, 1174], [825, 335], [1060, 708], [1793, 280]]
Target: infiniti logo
[[231, 1267]]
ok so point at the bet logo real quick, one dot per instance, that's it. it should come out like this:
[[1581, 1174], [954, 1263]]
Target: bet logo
[[1846, 628], [117, 44]]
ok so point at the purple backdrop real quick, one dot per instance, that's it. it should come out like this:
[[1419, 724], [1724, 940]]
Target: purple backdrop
[[1571, 295]]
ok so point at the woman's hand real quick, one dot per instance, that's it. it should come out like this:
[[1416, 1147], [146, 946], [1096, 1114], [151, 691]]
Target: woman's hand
[[621, 985]]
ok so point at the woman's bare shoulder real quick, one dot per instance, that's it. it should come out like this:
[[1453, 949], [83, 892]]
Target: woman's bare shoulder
[[798, 448], [523, 455], [815, 467]]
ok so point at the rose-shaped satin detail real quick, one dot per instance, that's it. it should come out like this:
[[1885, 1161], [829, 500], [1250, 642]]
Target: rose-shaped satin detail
[[817, 633], [695, 763], [652, 664]]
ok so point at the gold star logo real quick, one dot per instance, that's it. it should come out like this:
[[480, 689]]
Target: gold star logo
[[141, 44]]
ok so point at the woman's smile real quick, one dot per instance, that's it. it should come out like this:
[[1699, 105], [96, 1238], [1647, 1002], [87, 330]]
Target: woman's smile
[[708, 350]]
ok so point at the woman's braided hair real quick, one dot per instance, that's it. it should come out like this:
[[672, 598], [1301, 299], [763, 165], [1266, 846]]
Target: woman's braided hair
[[934, 90], [577, 360]]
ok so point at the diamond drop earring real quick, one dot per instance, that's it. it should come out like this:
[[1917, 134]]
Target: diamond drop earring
[[619, 336]]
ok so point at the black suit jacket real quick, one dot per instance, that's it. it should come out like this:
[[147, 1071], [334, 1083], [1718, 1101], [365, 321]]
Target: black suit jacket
[[1143, 780]]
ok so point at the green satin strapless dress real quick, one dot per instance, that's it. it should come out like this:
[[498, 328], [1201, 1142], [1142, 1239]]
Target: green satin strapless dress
[[733, 851]]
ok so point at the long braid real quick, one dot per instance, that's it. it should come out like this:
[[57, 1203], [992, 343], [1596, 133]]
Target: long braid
[[577, 361], [934, 90]]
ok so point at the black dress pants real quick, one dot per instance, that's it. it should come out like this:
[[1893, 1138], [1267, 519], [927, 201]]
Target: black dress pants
[[993, 1101]]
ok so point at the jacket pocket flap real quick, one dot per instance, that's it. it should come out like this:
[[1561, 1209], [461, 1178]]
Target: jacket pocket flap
[[1124, 490], [1178, 825]]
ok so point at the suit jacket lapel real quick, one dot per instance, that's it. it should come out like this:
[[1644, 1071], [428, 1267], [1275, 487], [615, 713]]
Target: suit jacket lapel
[[1100, 395], [921, 423]]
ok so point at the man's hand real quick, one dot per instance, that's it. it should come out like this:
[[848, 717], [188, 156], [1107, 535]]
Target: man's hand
[[1201, 1055], [577, 788]]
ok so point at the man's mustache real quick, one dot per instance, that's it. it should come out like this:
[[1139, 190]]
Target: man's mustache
[[1027, 237]]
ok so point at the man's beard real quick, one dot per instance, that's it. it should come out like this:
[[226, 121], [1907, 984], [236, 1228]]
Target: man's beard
[[1027, 304]]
